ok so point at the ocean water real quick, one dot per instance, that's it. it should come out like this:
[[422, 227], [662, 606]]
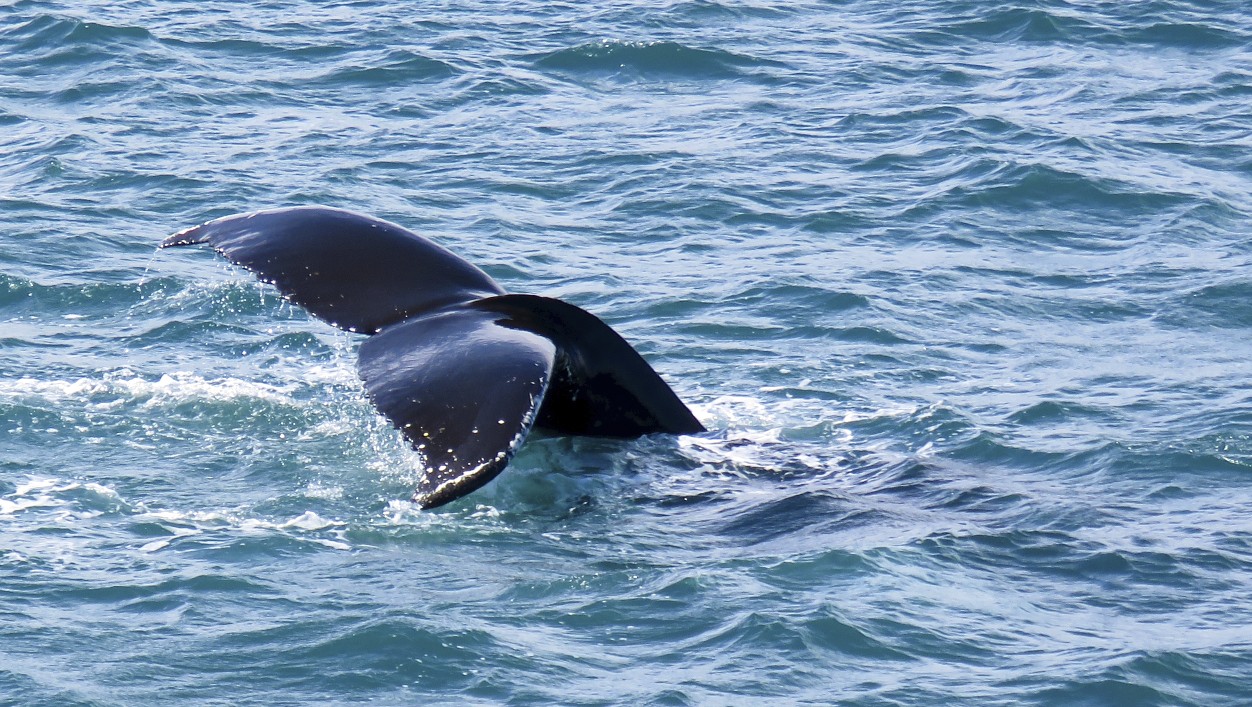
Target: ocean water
[[962, 291]]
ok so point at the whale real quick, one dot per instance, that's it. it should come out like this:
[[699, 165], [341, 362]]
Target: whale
[[462, 368]]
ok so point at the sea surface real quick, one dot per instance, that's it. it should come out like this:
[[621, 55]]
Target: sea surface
[[962, 291]]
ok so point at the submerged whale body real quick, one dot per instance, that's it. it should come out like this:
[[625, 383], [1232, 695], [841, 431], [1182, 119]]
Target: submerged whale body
[[463, 369]]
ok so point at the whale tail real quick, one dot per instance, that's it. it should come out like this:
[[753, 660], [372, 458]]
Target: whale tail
[[462, 369]]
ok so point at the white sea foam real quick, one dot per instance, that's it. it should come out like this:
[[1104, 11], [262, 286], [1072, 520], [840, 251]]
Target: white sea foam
[[112, 389], [320, 491], [736, 411], [82, 499], [309, 526], [63, 501], [754, 435], [402, 512], [309, 520]]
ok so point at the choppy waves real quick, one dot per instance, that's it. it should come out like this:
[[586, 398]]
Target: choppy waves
[[960, 291]]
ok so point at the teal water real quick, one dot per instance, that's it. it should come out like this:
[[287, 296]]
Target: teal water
[[961, 290]]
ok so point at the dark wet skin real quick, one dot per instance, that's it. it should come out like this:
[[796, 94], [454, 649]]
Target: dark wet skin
[[462, 369]]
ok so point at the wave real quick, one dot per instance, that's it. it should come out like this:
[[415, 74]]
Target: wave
[[1188, 35], [388, 69], [651, 58], [1056, 411], [23, 295], [1009, 24], [1226, 305], [1041, 184], [1110, 27], [40, 33]]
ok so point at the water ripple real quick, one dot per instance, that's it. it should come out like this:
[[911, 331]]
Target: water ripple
[[651, 58], [958, 288]]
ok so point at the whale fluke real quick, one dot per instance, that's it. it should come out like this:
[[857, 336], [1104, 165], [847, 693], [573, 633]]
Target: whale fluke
[[461, 368]]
